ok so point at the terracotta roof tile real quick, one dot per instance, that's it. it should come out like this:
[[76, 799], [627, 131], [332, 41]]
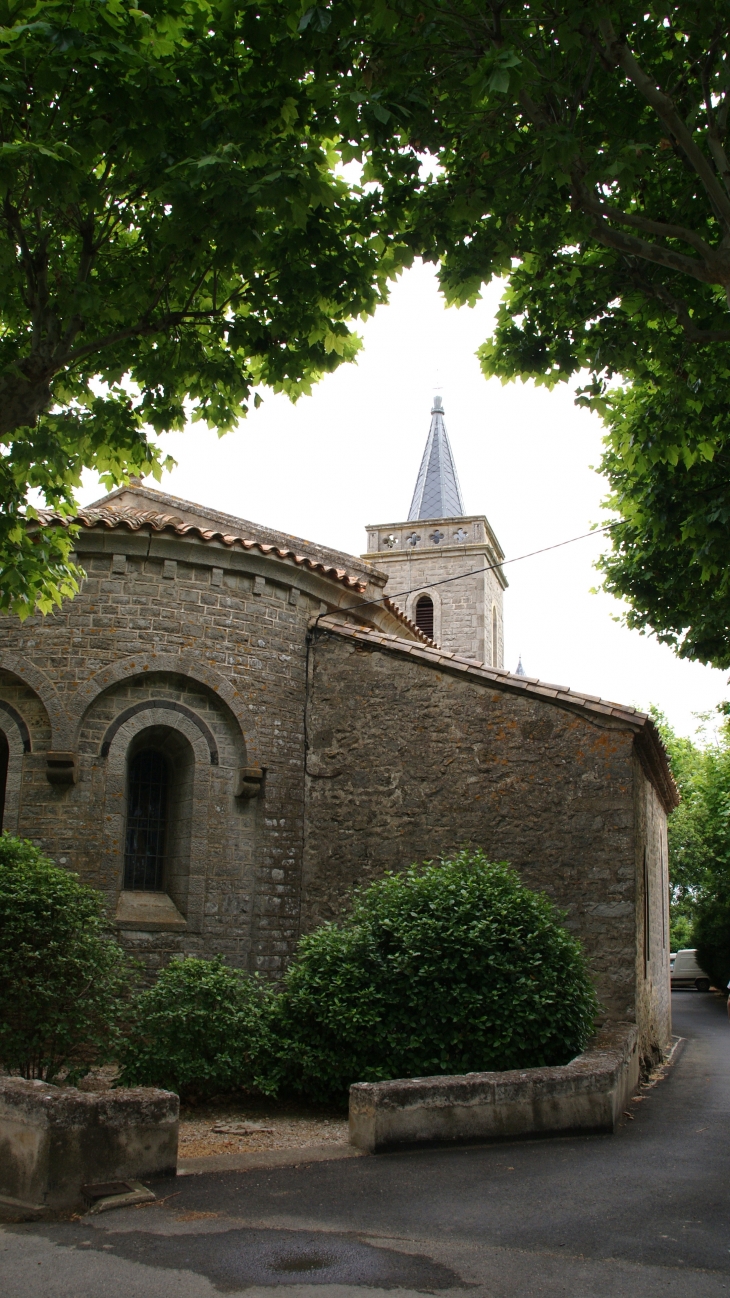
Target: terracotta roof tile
[[134, 519]]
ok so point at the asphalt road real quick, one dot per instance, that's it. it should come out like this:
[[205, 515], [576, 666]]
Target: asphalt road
[[645, 1212]]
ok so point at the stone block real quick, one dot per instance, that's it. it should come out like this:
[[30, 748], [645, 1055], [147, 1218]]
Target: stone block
[[54, 1140], [589, 1094], [148, 911]]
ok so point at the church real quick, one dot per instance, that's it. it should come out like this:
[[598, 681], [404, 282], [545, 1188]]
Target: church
[[230, 728]]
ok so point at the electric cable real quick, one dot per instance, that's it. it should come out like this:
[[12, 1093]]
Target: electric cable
[[369, 603], [474, 571]]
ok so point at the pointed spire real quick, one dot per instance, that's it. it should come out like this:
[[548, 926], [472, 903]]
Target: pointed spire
[[437, 493], [520, 669]]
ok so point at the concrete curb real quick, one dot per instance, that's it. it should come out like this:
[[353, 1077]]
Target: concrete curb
[[262, 1158], [589, 1094], [672, 1054], [54, 1140]]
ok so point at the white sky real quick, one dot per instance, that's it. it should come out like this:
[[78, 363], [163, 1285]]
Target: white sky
[[349, 454]]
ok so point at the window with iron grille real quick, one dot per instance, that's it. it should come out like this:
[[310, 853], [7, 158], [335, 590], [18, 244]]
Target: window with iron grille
[[424, 615], [147, 790]]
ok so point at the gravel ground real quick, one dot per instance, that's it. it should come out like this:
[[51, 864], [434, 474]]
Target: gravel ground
[[251, 1124], [253, 1128]]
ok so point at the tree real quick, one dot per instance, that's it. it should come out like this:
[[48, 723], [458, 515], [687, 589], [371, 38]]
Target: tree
[[172, 236], [583, 156], [670, 548]]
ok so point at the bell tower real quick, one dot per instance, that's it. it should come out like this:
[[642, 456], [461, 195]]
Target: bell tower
[[442, 563]]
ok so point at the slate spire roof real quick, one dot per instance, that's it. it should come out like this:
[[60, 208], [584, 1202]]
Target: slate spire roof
[[437, 494]]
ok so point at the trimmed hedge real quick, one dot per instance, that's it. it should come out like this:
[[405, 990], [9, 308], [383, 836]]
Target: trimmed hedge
[[449, 967], [64, 982]]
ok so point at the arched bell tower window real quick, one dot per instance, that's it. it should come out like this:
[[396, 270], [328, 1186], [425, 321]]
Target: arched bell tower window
[[147, 814], [424, 615]]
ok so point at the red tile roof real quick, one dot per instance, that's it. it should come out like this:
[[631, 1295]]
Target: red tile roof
[[135, 519]]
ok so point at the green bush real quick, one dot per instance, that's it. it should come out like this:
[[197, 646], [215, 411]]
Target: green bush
[[447, 968], [712, 938], [200, 1030], [63, 981]]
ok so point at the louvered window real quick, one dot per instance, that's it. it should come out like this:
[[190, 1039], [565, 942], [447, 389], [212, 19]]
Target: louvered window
[[147, 794], [424, 615]]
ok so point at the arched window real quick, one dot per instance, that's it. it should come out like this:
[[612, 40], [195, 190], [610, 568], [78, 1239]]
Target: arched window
[[4, 756], [424, 615], [495, 637], [147, 812]]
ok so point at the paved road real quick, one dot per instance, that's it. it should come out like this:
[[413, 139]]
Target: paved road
[[645, 1213]]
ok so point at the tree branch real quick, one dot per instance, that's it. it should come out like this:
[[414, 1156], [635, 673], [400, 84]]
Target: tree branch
[[680, 309], [629, 244], [591, 204], [621, 56]]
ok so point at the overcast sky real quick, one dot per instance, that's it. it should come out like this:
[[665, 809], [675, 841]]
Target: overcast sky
[[349, 454]]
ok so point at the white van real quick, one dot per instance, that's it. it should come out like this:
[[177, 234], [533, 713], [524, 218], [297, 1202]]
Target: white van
[[685, 971]]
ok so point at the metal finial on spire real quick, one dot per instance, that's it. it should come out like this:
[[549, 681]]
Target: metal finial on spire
[[520, 669], [437, 494]]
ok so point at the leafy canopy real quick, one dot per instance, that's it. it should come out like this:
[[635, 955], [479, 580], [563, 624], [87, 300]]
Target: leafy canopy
[[173, 235], [63, 981], [583, 157], [449, 967]]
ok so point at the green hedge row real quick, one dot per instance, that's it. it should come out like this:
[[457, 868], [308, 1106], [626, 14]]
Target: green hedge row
[[449, 967]]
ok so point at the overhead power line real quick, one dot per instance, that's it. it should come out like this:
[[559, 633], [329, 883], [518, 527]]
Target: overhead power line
[[475, 571]]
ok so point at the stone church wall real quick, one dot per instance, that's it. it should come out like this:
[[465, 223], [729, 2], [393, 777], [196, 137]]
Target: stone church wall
[[188, 626], [210, 654], [408, 762]]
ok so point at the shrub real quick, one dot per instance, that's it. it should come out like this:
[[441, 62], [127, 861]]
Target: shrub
[[200, 1030], [62, 979], [447, 968]]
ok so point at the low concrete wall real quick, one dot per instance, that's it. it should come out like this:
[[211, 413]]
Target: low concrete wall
[[54, 1140], [588, 1094]]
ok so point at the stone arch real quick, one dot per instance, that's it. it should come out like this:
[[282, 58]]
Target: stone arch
[[435, 597], [175, 664], [17, 736], [161, 727], [164, 705], [11, 714], [494, 636], [41, 685]]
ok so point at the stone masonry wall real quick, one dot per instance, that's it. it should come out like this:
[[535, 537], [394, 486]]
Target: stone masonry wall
[[408, 762], [463, 607], [218, 635], [652, 912]]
